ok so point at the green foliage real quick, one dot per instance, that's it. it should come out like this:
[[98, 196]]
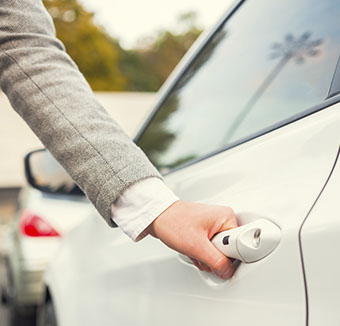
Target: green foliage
[[148, 67], [95, 53], [105, 64], [158, 138]]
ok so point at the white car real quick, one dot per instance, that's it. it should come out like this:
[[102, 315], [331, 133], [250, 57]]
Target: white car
[[40, 222], [250, 119]]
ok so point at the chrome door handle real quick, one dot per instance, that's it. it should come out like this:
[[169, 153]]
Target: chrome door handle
[[250, 242]]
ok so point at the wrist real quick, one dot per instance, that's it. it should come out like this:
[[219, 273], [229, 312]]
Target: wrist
[[154, 227]]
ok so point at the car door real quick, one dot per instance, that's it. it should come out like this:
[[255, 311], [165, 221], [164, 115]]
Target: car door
[[249, 124], [247, 121], [101, 277], [319, 236]]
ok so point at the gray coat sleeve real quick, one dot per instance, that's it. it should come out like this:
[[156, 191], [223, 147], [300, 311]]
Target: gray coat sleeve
[[47, 90]]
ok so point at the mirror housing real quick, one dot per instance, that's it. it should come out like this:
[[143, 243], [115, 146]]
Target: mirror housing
[[43, 172]]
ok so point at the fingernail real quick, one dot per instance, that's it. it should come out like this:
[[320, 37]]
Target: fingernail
[[228, 273]]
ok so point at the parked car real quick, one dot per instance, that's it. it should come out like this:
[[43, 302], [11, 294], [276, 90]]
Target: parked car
[[250, 119], [41, 220]]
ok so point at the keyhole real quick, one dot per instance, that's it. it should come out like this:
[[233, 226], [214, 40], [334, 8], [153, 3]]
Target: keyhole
[[257, 238]]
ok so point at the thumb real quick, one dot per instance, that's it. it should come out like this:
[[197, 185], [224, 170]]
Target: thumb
[[218, 262]]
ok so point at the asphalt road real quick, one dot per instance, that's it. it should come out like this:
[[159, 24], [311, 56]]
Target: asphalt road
[[4, 316]]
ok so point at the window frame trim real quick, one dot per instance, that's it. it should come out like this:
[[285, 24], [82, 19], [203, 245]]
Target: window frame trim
[[332, 98], [299, 116], [334, 88], [185, 64]]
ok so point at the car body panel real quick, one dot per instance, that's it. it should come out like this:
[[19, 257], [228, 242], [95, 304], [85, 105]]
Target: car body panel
[[276, 172], [277, 176], [29, 256], [320, 248]]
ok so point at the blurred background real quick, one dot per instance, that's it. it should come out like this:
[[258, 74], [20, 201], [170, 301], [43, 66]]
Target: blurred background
[[125, 50]]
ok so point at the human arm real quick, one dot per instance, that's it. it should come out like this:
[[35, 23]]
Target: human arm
[[46, 88]]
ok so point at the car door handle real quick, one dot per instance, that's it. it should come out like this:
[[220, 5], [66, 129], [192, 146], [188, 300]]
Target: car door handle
[[250, 242]]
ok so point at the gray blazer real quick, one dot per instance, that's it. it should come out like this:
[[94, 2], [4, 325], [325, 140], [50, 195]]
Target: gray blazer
[[47, 90]]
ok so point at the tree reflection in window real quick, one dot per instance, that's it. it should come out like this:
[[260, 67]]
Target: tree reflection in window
[[158, 138]]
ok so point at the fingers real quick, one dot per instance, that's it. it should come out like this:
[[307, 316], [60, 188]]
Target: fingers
[[213, 258], [208, 258], [204, 254], [225, 220], [188, 227], [201, 266], [230, 222], [218, 263]]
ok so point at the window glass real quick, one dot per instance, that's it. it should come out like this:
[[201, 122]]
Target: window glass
[[270, 61]]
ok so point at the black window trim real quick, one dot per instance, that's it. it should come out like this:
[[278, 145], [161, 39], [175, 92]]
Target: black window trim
[[332, 98]]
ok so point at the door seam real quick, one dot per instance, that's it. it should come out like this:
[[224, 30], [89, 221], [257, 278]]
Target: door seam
[[300, 230]]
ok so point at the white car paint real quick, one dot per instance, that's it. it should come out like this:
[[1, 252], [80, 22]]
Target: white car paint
[[101, 278], [29, 256], [320, 247]]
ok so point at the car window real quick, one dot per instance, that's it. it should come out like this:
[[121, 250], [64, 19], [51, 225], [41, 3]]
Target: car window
[[268, 62]]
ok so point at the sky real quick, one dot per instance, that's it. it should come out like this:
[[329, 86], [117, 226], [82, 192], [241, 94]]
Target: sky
[[132, 20]]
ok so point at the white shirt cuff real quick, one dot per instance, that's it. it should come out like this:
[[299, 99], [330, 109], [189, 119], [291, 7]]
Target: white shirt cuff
[[140, 205]]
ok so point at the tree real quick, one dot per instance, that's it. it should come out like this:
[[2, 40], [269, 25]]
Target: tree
[[94, 51], [147, 67], [105, 64]]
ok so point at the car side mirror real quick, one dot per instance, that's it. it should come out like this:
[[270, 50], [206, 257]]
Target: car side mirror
[[44, 173]]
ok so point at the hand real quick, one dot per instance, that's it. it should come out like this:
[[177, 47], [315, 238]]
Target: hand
[[188, 227]]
